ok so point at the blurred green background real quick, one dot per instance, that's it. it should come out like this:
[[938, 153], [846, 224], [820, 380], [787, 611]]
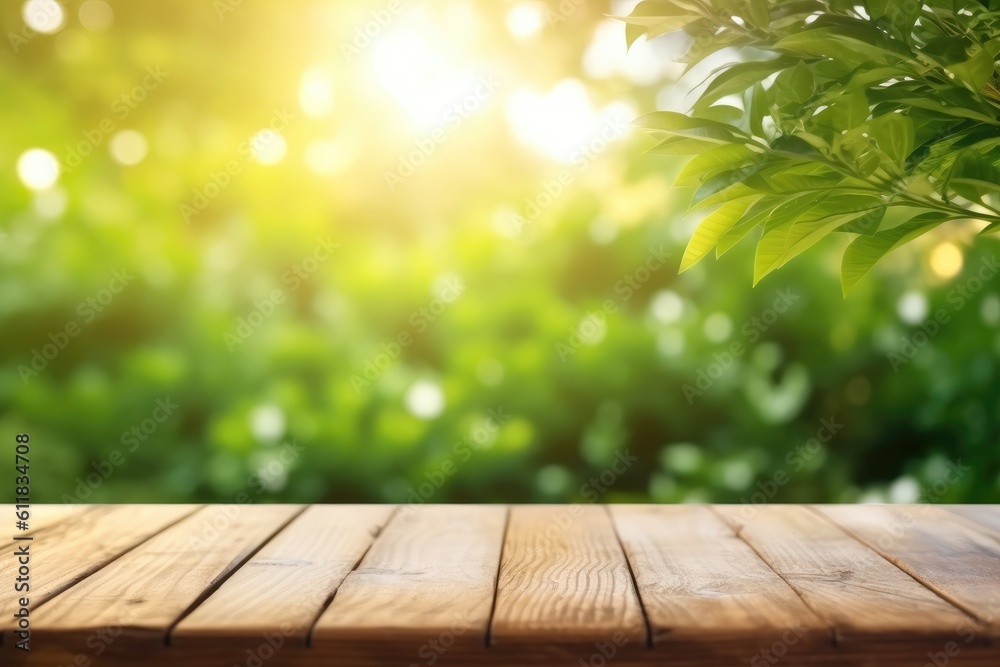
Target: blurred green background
[[412, 252]]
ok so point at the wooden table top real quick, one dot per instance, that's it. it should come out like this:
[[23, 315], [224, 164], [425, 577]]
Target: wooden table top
[[574, 585]]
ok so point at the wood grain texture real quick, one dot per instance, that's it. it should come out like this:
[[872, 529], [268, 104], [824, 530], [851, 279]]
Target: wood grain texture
[[564, 579], [69, 551], [984, 517], [432, 571], [951, 558], [42, 518], [143, 593], [704, 590], [538, 586], [287, 583], [864, 597]]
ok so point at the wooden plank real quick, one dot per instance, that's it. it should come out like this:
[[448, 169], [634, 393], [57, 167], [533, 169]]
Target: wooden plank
[[704, 590], [954, 560], [866, 598], [224, 582], [431, 573], [287, 583], [143, 593], [564, 580], [984, 517], [67, 552], [42, 518]]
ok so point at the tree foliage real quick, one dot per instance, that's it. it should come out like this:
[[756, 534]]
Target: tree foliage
[[877, 118]]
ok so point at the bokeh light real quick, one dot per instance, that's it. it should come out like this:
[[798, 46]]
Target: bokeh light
[[45, 16], [946, 260], [425, 400], [38, 169], [128, 147], [268, 147], [267, 422], [96, 15], [912, 307], [316, 92], [382, 233]]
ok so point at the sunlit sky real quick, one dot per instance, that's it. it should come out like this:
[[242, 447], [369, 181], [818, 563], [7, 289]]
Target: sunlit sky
[[430, 65]]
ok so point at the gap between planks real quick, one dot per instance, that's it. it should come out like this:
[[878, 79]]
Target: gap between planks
[[329, 599], [735, 528], [40, 600], [218, 582], [738, 533], [496, 583], [631, 574], [898, 563], [841, 558]]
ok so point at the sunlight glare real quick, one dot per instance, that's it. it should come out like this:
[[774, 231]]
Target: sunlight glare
[[410, 65], [607, 56], [268, 147], [526, 19], [329, 157], [316, 92], [561, 123]]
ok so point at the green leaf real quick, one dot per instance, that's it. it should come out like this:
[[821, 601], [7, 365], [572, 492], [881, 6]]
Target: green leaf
[[897, 215], [733, 193], [632, 33], [759, 108], [713, 226], [656, 17], [894, 134], [737, 78], [723, 113], [940, 105], [760, 15], [682, 146], [847, 112], [854, 116], [990, 228], [899, 14], [869, 223], [671, 121], [853, 46], [715, 160], [973, 189], [785, 237], [794, 86], [865, 251], [763, 211], [723, 181], [703, 129], [786, 181], [971, 62]]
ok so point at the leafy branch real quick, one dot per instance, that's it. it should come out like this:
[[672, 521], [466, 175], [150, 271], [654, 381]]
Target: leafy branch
[[877, 118]]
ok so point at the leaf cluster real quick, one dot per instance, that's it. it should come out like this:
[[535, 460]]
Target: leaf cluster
[[877, 118]]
